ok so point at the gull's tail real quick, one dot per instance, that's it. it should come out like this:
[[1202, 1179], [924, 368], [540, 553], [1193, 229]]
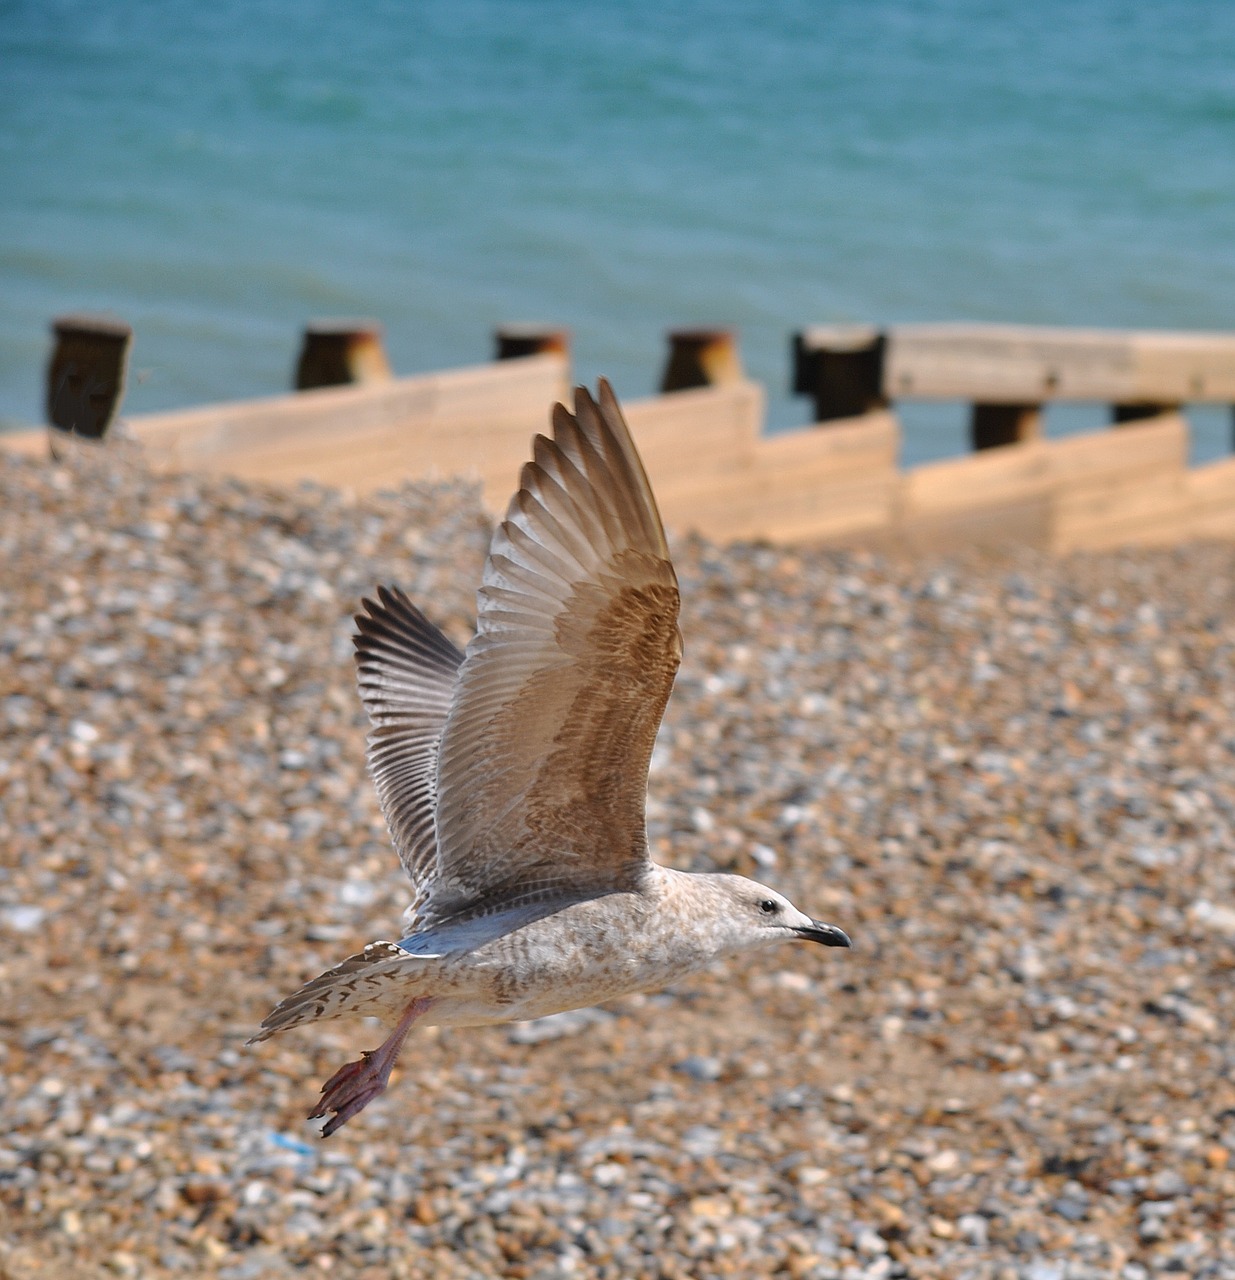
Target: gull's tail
[[374, 983]]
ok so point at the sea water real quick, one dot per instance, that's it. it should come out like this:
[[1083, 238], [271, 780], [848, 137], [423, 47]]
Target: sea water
[[217, 174]]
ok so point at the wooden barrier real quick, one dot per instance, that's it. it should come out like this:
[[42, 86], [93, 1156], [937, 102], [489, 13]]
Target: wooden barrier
[[1096, 490], [1008, 372], [337, 353], [995, 498], [476, 422], [1015, 363], [26, 444], [86, 373], [1208, 502], [701, 358], [714, 470], [1119, 487], [841, 368], [513, 341]]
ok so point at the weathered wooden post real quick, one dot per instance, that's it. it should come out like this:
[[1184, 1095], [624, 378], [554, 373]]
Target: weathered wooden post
[[337, 352], [701, 358], [515, 340], [86, 373], [841, 368], [992, 425]]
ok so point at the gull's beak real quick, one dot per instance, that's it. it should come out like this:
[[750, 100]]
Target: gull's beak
[[827, 935]]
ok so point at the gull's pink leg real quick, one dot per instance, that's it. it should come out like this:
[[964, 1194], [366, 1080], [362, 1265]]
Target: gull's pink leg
[[355, 1085]]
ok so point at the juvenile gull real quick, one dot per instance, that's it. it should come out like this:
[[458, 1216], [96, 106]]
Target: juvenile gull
[[513, 776]]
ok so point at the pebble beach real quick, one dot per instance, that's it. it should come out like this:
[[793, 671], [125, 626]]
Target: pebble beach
[[1011, 780]]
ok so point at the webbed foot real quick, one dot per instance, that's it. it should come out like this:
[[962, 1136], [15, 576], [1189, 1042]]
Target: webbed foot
[[351, 1089], [356, 1084]]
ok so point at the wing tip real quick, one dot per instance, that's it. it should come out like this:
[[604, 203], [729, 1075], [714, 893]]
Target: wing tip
[[394, 617]]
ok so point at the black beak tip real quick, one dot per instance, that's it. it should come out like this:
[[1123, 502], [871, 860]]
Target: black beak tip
[[827, 935]]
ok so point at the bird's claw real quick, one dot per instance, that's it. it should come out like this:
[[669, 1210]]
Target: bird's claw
[[349, 1091]]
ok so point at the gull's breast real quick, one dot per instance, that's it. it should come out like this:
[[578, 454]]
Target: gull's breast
[[582, 955]]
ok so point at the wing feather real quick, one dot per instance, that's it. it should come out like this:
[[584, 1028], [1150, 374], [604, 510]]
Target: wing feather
[[542, 769], [407, 671]]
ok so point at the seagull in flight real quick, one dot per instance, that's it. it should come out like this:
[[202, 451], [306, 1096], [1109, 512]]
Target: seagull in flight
[[513, 776]]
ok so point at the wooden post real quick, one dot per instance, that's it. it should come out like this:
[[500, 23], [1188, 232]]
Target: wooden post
[[515, 340], [1121, 413], [992, 425], [337, 352], [86, 373], [841, 368], [701, 358]]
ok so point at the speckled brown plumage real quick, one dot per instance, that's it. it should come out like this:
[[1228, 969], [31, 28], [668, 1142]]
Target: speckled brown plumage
[[513, 776]]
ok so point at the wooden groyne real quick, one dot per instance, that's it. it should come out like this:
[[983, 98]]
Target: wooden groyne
[[1009, 372], [703, 442], [1130, 484], [372, 431]]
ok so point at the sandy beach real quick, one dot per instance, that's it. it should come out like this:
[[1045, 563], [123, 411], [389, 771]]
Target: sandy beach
[[1012, 782]]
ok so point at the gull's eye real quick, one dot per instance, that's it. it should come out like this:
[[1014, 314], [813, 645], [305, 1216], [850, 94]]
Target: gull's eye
[[769, 906]]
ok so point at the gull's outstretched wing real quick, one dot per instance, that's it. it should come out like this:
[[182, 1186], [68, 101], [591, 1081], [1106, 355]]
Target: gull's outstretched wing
[[407, 671], [542, 771]]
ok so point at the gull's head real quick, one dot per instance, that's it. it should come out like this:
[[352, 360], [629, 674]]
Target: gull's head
[[756, 916]]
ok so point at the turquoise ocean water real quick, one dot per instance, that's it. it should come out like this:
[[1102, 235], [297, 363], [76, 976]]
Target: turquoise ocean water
[[217, 174]]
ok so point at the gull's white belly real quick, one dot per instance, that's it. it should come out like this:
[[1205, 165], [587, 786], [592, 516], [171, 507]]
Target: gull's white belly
[[583, 955]]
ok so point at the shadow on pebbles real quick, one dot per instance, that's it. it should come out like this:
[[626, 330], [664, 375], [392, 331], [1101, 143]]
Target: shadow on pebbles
[[1012, 781]]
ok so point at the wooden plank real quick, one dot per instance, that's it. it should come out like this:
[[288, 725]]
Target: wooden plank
[[1211, 524], [822, 482], [748, 506], [372, 461], [1151, 443], [1121, 486], [29, 443], [530, 384], [1143, 508], [505, 389], [475, 422], [798, 460], [1115, 487], [729, 417], [696, 438], [1004, 364], [835, 510], [1178, 368], [712, 469], [1009, 474], [1210, 499], [1079, 491], [1019, 521], [844, 444], [491, 452], [713, 472], [1212, 483], [1007, 363]]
